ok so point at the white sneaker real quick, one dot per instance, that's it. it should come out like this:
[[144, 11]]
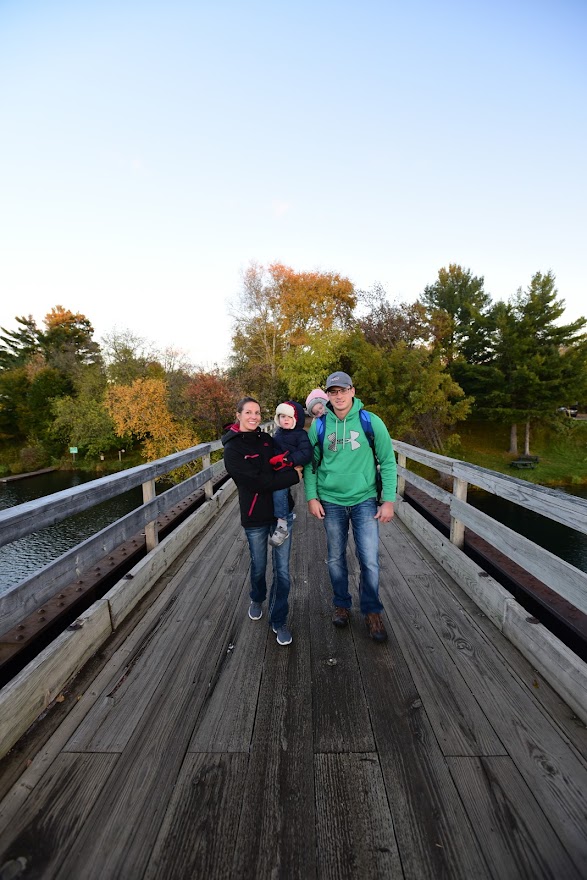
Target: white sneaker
[[280, 535]]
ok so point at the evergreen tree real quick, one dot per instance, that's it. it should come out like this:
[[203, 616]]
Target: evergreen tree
[[538, 364]]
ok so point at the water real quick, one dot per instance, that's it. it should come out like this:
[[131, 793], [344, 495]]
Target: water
[[25, 556], [566, 543]]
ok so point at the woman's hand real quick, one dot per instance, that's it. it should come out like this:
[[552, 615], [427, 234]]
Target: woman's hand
[[300, 471]]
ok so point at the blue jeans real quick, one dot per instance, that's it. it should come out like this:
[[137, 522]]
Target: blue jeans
[[366, 535], [281, 503], [278, 604]]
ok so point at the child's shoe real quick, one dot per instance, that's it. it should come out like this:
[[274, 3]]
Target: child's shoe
[[280, 535]]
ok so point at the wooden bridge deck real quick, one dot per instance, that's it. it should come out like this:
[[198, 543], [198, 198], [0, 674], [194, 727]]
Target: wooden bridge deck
[[202, 749]]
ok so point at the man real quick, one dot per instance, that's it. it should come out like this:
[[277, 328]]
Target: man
[[341, 487]]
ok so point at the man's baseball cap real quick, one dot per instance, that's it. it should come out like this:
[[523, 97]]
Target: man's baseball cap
[[341, 380]]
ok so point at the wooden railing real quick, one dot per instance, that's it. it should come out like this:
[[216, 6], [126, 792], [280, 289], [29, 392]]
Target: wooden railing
[[38, 684], [569, 510], [32, 516]]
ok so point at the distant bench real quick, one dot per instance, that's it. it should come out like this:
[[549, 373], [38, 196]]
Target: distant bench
[[529, 462]]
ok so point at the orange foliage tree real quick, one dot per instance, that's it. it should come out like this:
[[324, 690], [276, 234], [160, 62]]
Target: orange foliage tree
[[212, 399], [141, 409]]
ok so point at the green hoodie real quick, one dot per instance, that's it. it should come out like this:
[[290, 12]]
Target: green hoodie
[[346, 474]]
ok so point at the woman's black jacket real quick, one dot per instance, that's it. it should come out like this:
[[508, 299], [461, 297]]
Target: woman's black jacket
[[246, 458]]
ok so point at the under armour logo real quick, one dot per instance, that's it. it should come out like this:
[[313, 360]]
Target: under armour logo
[[333, 441]]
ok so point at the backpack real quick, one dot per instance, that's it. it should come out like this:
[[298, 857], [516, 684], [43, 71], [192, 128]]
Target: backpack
[[365, 418]]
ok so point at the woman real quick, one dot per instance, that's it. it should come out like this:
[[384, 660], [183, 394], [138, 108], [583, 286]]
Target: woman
[[247, 451]]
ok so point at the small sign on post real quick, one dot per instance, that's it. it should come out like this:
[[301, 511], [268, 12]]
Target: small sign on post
[[73, 450]]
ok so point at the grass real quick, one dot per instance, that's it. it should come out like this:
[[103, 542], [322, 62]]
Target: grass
[[561, 448]]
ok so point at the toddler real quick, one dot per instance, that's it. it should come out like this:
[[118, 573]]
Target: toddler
[[293, 450], [316, 403]]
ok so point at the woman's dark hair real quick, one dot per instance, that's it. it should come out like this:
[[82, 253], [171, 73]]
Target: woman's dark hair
[[244, 401]]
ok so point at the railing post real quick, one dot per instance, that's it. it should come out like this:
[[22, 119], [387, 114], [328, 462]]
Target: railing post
[[151, 536], [457, 528], [402, 460], [208, 487]]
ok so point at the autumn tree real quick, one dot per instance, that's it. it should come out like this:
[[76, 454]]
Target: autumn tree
[[140, 409], [212, 400], [280, 309]]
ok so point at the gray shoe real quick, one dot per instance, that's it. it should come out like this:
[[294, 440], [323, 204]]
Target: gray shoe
[[283, 635], [279, 536], [255, 611]]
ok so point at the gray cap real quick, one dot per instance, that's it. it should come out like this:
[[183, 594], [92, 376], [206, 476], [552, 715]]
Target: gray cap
[[342, 380]]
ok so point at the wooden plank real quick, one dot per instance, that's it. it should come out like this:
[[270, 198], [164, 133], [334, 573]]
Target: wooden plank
[[459, 723], [199, 831], [434, 835], [489, 595], [560, 666], [79, 706], [53, 816], [16, 522], [354, 825], [225, 723], [516, 837], [24, 698], [498, 604], [277, 833], [542, 755], [340, 713], [426, 486], [570, 510], [404, 548], [562, 577], [124, 824], [26, 596], [116, 716], [124, 596]]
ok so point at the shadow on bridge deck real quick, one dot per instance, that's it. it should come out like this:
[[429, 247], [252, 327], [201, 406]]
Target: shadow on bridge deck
[[203, 749]]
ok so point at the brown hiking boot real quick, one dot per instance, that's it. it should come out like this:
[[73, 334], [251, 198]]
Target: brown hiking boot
[[340, 616], [375, 627]]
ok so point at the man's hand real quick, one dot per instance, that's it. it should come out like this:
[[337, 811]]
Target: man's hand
[[300, 469], [384, 513], [315, 508]]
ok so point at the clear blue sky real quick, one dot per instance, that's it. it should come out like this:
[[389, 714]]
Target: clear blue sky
[[149, 151]]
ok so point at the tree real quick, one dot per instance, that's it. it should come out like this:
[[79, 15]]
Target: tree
[[464, 324], [410, 388], [280, 309], [141, 410], [212, 402], [386, 325], [18, 346], [84, 420], [538, 363], [67, 341], [127, 357]]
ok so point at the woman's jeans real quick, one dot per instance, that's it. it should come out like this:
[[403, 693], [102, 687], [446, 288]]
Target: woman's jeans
[[366, 535], [278, 605]]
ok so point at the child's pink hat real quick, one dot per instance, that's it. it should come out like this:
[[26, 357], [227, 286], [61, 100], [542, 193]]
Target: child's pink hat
[[314, 397]]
